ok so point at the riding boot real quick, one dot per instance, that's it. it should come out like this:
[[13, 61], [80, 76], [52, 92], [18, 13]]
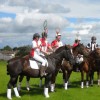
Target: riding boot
[[42, 71]]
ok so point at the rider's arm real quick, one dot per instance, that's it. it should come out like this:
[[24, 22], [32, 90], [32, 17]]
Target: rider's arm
[[34, 45]]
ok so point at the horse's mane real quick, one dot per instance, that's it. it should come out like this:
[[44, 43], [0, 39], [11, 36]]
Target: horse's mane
[[65, 47]]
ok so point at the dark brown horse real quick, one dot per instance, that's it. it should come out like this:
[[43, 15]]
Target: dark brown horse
[[93, 63], [66, 47], [66, 66], [20, 66]]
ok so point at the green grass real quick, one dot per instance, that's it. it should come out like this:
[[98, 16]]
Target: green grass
[[74, 91]]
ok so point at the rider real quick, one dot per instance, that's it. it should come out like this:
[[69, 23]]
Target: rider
[[75, 43], [57, 42], [93, 45], [36, 51], [45, 46], [79, 57]]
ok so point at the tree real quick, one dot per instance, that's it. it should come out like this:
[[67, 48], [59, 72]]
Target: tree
[[8, 48], [22, 51]]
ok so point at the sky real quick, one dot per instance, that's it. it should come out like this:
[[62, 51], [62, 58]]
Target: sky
[[20, 19]]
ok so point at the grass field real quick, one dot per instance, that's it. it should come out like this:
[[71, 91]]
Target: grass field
[[74, 91]]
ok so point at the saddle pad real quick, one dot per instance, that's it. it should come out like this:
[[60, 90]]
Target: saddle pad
[[33, 64]]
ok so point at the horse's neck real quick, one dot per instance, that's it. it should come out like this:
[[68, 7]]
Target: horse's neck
[[75, 52], [59, 57]]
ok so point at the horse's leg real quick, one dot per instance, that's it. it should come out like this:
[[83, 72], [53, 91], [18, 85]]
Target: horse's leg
[[53, 79], [67, 76], [87, 80], [98, 74], [9, 89], [15, 86], [40, 84], [46, 86], [27, 83], [91, 78], [12, 83], [20, 80], [82, 79]]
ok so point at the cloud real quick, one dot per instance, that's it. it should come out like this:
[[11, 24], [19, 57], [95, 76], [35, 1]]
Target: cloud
[[31, 22], [54, 8], [30, 15]]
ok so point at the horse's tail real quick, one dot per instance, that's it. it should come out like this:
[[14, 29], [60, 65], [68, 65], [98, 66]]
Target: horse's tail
[[7, 70]]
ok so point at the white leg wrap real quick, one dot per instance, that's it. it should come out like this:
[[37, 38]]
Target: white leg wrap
[[82, 84], [40, 84], [19, 86], [9, 94], [27, 85], [46, 92], [99, 82], [52, 87], [66, 86], [16, 92], [87, 84]]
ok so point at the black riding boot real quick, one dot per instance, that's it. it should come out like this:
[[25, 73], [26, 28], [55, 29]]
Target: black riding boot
[[42, 71]]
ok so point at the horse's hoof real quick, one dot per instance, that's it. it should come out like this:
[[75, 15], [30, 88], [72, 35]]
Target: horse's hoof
[[82, 87], [28, 89], [52, 91], [87, 86], [47, 96], [9, 98], [18, 96], [66, 88]]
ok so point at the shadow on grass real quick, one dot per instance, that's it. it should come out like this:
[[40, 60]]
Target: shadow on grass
[[36, 90], [4, 95]]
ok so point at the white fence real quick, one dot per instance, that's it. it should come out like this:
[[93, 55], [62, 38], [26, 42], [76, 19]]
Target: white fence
[[6, 56]]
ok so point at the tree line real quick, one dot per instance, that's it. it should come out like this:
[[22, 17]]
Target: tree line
[[20, 51]]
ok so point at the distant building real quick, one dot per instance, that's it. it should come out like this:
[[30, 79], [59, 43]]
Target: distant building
[[6, 55]]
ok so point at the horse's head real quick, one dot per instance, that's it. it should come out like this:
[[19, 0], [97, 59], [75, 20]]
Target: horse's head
[[80, 49]]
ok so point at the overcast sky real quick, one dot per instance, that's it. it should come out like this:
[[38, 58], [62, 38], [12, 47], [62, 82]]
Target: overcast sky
[[20, 19]]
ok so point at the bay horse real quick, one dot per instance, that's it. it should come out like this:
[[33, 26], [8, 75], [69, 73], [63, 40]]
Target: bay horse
[[93, 63], [20, 66], [66, 66]]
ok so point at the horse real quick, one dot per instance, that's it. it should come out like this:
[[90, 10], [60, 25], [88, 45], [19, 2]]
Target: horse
[[65, 47], [66, 66], [93, 63], [21, 66]]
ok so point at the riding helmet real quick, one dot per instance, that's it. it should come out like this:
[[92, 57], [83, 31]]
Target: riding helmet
[[36, 35], [93, 38]]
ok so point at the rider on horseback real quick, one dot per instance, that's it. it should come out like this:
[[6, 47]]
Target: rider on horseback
[[57, 42], [79, 57], [36, 51], [45, 46], [93, 45]]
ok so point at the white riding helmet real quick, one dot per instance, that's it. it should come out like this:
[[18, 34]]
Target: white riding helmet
[[78, 38], [58, 34]]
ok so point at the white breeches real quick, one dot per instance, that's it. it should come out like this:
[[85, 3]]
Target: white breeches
[[40, 59]]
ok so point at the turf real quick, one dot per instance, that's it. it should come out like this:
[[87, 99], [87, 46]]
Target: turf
[[74, 91]]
